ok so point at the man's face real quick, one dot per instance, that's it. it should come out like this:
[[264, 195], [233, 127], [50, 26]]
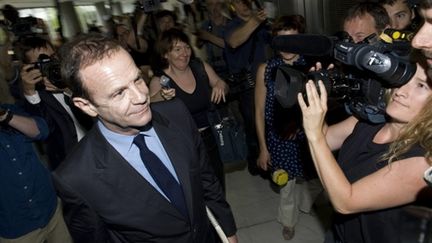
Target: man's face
[[360, 27], [119, 96], [423, 39], [400, 14]]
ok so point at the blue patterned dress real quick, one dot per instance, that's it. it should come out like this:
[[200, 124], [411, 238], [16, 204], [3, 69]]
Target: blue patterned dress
[[285, 153]]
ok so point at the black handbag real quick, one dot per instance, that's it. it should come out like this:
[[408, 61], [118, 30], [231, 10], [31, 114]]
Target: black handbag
[[229, 133]]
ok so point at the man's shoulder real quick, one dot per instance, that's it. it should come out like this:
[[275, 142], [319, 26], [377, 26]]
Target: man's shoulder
[[173, 114], [174, 106], [84, 151]]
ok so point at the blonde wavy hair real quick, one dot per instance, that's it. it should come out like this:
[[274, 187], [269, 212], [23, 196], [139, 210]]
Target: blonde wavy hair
[[418, 131]]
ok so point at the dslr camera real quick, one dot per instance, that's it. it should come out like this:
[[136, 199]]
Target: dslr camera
[[378, 66], [50, 68]]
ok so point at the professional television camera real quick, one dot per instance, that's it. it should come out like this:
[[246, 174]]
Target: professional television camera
[[361, 93]]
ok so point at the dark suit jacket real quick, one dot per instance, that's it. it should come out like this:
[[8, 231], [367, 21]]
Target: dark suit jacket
[[63, 136], [106, 200]]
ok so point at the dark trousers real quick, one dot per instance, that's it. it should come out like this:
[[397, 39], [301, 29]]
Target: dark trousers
[[246, 105], [213, 153]]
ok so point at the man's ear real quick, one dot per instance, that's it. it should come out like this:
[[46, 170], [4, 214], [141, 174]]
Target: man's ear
[[85, 105]]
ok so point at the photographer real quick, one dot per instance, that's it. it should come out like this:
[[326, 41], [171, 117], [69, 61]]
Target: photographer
[[365, 19], [46, 95], [380, 166]]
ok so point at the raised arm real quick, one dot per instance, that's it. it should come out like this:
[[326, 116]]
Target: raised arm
[[241, 34], [390, 186]]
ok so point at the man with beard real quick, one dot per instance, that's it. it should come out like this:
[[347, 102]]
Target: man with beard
[[422, 40]]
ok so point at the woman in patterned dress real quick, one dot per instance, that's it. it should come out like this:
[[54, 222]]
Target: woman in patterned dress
[[282, 143]]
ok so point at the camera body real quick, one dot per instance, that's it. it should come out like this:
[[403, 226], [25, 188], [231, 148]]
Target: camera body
[[377, 67], [50, 68]]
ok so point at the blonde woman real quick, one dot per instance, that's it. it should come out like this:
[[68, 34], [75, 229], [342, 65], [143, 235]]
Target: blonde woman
[[380, 167]]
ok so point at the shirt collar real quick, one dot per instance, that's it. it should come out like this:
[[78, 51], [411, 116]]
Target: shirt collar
[[123, 141]]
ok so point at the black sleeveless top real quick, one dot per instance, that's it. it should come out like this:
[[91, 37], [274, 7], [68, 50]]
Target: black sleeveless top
[[358, 157], [197, 102]]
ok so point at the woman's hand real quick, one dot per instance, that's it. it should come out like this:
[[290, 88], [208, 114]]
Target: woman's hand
[[218, 92], [167, 93], [263, 160], [314, 110]]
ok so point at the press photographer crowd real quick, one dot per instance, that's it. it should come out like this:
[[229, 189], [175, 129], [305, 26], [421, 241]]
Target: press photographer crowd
[[124, 134]]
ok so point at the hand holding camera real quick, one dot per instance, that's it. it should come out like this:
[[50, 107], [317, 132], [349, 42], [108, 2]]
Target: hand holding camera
[[33, 75], [30, 76]]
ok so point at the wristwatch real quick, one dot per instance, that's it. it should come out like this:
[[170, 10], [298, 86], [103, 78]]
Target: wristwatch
[[2, 113], [5, 117]]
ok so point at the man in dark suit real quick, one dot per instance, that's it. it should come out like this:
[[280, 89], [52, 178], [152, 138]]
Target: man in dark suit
[[109, 191], [46, 95]]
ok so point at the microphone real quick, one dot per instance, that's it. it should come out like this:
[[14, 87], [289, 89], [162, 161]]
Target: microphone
[[304, 44]]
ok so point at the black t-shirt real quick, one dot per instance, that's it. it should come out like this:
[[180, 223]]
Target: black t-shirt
[[359, 156], [197, 102]]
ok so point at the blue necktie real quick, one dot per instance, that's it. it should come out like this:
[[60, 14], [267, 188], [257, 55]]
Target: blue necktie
[[161, 175]]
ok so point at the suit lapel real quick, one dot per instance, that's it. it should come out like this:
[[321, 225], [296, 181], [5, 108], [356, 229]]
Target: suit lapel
[[112, 170]]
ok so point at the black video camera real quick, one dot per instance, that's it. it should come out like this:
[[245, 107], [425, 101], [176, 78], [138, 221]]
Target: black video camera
[[50, 68], [378, 66]]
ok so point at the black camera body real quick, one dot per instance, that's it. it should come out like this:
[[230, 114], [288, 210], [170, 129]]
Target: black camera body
[[50, 68], [378, 66]]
